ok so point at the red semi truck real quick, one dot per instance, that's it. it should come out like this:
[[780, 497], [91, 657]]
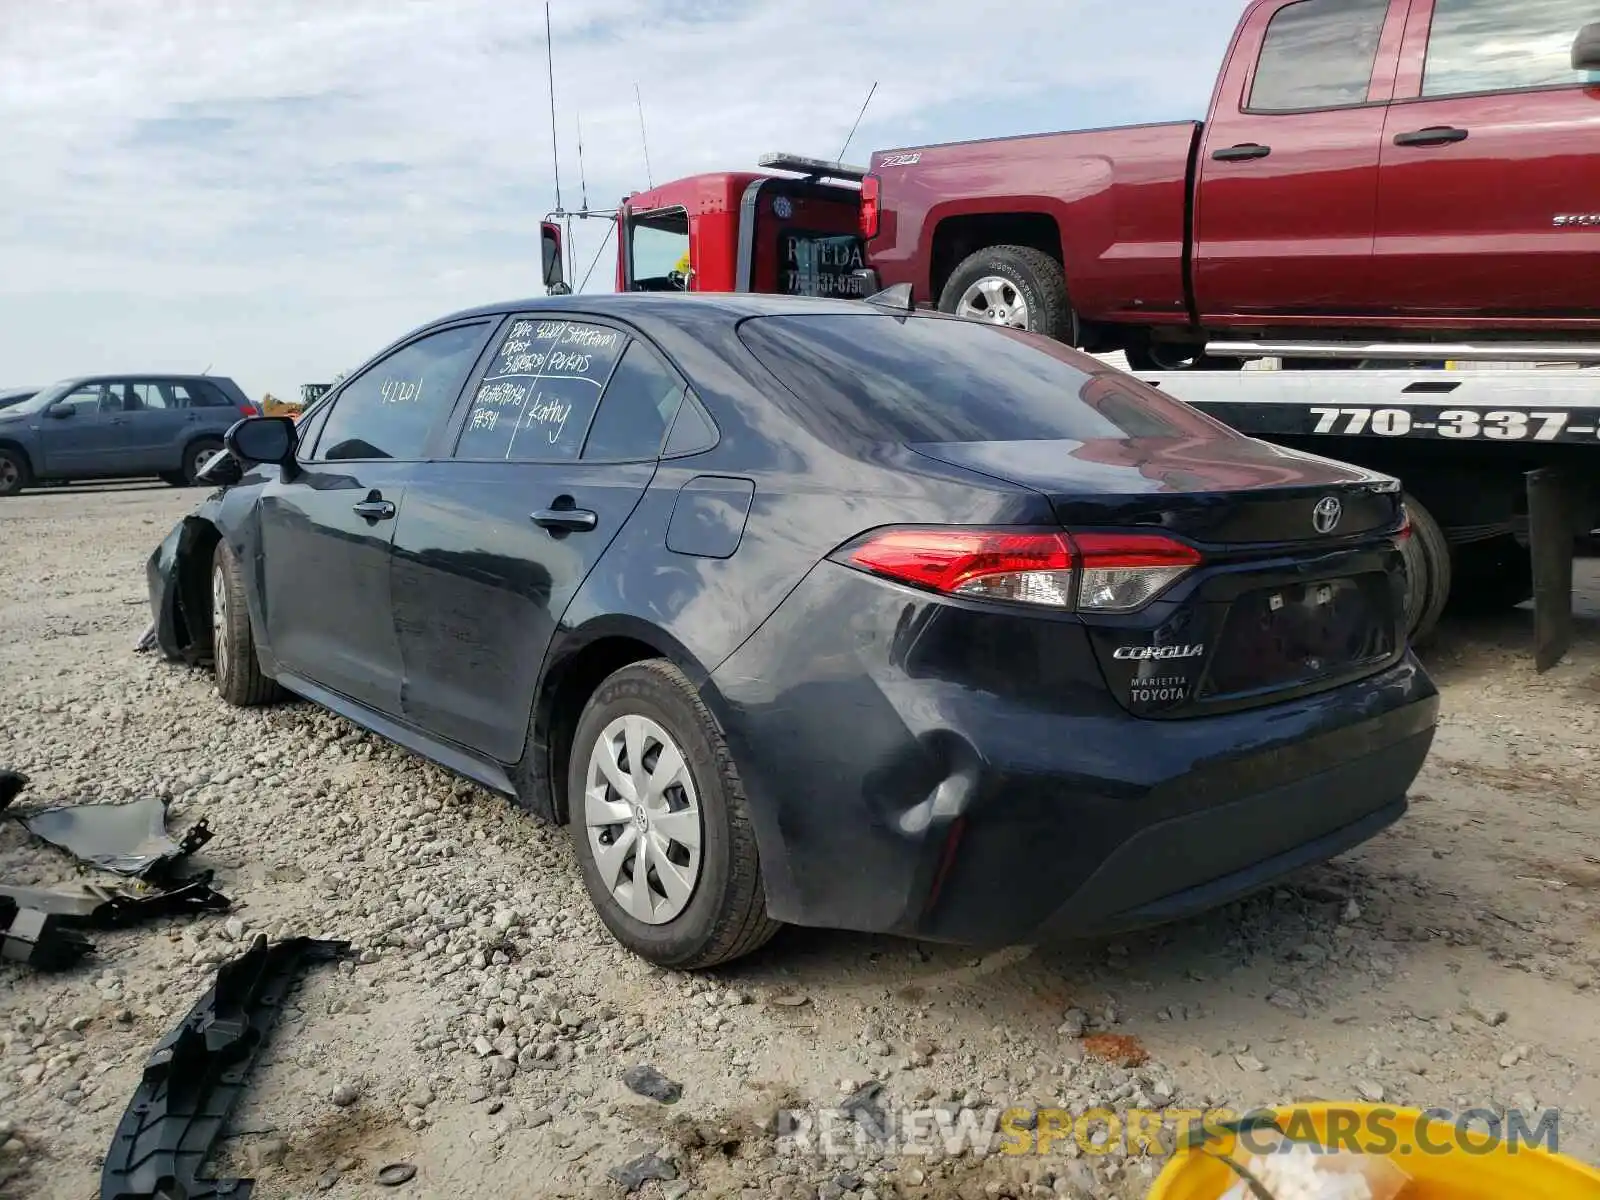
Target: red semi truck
[[1415, 170]]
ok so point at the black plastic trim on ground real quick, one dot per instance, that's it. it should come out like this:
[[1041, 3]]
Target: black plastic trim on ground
[[196, 1075]]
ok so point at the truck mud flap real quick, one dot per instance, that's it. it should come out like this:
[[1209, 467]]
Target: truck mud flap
[[1555, 501], [196, 1075]]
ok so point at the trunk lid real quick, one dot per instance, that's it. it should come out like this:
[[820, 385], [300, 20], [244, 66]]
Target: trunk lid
[[1301, 587]]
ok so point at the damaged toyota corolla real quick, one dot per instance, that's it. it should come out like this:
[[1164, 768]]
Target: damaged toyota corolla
[[825, 613]]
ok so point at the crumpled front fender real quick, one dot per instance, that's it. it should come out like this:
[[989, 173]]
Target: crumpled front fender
[[180, 627]]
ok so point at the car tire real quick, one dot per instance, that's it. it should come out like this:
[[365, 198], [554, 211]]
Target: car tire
[[174, 479], [234, 664], [1428, 572], [714, 910], [14, 473], [195, 455], [1013, 273]]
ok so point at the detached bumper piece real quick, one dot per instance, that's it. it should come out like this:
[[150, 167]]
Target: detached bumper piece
[[99, 907], [196, 1075], [126, 839]]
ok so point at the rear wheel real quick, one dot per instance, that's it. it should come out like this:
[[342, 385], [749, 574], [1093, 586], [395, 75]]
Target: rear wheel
[[1016, 286], [234, 664], [1428, 572], [14, 473], [195, 457], [660, 824]]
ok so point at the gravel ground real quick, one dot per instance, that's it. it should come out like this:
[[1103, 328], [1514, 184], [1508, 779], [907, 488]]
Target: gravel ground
[[482, 1029]]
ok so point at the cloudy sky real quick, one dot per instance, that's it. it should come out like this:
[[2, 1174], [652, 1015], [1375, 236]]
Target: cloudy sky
[[277, 188]]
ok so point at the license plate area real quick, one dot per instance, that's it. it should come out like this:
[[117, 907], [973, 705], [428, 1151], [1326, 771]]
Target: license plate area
[[1295, 634]]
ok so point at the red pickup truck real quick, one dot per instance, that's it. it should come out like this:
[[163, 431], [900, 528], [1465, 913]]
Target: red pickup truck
[[1370, 169]]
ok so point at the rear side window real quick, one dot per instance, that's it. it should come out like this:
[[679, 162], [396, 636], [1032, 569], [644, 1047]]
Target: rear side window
[[1318, 54], [1503, 45], [881, 378], [636, 409]]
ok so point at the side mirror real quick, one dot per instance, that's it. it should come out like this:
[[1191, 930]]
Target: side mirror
[[555, 278], [1586, 49], [263, 440], [60, 410]]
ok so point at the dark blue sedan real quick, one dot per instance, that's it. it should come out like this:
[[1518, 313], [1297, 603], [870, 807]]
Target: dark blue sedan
[[824, 613]]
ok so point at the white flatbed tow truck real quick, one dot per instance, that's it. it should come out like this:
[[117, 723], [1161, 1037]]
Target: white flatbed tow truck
[[1501, 467]]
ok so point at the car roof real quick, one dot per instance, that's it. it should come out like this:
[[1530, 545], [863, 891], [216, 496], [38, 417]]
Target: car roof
[[734, 305], [136, 376]]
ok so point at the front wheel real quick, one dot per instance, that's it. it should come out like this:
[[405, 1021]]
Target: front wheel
[[1015, 286], [234, 664], [660, 823]]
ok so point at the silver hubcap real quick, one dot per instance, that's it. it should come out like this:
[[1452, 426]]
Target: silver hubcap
[[219, 621], [643, 818], [996, 300]]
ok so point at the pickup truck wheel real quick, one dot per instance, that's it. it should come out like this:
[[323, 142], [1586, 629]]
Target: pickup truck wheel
[[1016, 286], [1428, 572], [14, 473]]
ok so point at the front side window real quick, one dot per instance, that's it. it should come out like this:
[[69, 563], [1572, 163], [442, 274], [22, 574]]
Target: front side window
[[1503, 45], [1318, 54], [392, 408], [537, 398], [658, 250], [91, 398]]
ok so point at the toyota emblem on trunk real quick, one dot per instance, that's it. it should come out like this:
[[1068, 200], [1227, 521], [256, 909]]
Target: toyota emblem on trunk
[[1325, 516]]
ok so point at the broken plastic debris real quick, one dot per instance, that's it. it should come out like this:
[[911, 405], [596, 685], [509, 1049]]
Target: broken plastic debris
[[114, 907], [196, 1074], [39, 939], [127, 839], [11, 785]]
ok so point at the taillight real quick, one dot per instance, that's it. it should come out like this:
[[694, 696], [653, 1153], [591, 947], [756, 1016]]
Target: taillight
[[249, 410], [1083, 572], [869, 207]]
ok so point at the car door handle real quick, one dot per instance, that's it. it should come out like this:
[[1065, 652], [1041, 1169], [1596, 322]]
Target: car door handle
[[1434, 135], [567, 520], [1241, 153], [375, 510]]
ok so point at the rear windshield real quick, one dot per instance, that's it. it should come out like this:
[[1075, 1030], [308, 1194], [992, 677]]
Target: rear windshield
[[882, 378]]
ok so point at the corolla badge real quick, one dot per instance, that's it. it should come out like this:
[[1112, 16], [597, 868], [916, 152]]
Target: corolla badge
[[1145, 653], [1325, 516]]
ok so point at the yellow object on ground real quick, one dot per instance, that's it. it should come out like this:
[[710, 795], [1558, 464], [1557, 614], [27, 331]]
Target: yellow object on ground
[[1444, 1162]]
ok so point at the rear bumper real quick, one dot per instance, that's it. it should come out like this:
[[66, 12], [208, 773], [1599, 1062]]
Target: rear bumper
[[898, 787]]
